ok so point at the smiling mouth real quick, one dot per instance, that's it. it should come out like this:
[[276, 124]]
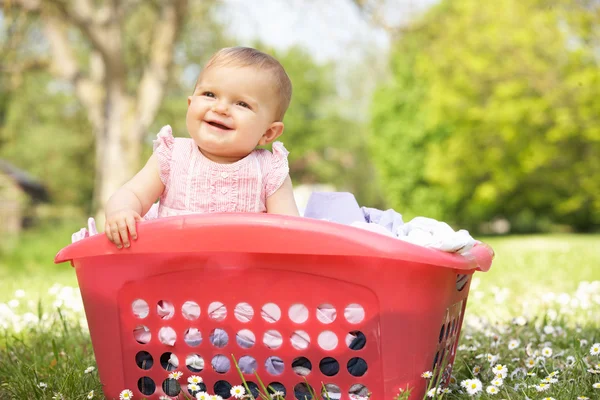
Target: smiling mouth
[[218, 125]]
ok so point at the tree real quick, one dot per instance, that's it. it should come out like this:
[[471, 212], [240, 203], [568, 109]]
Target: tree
[[118, 68], [493, 111]]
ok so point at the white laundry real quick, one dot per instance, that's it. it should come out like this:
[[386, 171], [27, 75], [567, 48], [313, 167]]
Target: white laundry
[[426, 232]]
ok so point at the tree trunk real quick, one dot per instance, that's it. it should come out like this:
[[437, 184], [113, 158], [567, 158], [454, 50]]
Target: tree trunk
[[119, 119]]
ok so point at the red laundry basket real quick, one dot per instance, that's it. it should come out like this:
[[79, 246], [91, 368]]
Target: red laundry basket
[[410, 301]]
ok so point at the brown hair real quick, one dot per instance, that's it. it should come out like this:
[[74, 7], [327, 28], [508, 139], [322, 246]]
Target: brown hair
[[249, 57]]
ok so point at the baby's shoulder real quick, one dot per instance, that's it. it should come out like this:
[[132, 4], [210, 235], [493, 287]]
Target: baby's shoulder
[[277, 154]]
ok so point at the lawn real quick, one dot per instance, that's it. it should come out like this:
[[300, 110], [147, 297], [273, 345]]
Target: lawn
[[531, 321]]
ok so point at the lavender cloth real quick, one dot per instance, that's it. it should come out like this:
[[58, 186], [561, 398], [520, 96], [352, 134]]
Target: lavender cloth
[[389, 219], [338, 207]]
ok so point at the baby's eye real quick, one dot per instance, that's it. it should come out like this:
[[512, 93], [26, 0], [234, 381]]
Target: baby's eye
[[208, 94], [243, 104]]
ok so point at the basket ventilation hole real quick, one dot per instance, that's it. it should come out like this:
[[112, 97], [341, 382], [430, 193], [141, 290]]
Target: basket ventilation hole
[[272, 339], [144, 360], [358, 390], [331, 391], [357, 366], [274, 365], [302, 366], [302, 391], [142, 334], [245, 338], [192, 337], [327, 340], [223, 389], [146, 385], [329, 366], [171, 387], [217, 311], [194, 363], [140, 308], [271, 313], [326, 313], [298, 313], [300, 340], [165, 309], [167, 336], [247, 364], [276, 387], [354, 313], [169, 361], [221, 364], [190, 310], [219, 338], [356, 340], [243, 312]]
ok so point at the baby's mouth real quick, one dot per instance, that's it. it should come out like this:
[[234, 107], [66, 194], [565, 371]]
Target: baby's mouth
[[218, 125]]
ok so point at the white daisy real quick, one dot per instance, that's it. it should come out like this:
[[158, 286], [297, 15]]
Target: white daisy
[[194, 379], [474, 386], [596, 385], [492, 390], [570, 361], [547, 352], [500, 369], [202, 396], [426, 374], [193, 387], [595, 349], [126, 395], [175, 375], [530, 363], [497, 382], [542, 387], [89, 369], [238, 391], [431, 393], [42, 385], [90, 395], [513, 344]]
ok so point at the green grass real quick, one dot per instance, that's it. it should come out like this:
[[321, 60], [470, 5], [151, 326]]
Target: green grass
[[29, 264], [526, 271]]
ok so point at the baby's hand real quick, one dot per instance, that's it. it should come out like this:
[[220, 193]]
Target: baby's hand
[[118, 224]]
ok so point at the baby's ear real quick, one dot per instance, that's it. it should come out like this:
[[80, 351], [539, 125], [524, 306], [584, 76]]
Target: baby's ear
[[189, 100], [274, 131]]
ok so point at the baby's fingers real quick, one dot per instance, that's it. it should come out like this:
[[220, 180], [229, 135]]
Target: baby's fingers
[[114, 231], [124, 233], [131, 226], [107, 232]]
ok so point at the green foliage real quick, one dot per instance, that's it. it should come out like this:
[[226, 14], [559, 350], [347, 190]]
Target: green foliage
[[45, 132], [493, 111]]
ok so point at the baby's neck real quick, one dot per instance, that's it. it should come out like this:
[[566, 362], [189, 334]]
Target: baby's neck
[[220, 159]]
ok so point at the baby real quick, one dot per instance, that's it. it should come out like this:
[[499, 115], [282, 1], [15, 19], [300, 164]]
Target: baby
[[238, 103]]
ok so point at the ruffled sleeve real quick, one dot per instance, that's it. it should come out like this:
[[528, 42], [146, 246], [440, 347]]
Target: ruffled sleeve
[[279, 168], [163, 149]]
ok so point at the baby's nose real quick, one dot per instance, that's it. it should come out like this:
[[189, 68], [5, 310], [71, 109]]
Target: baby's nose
[[220, 107]]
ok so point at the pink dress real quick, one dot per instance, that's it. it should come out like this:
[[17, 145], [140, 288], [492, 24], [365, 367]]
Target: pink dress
[[195, 184]]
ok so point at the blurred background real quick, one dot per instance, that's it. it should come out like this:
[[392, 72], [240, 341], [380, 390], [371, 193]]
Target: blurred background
[[485, 115]]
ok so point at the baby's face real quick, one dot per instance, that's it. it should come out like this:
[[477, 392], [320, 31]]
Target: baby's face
[[230, 111]]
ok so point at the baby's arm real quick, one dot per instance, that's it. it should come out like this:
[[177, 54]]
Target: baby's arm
[[132, 200], [282, 201]]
